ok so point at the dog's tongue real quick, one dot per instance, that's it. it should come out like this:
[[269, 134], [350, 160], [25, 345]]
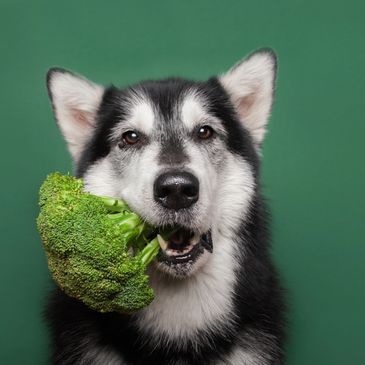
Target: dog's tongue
[[180, 238]]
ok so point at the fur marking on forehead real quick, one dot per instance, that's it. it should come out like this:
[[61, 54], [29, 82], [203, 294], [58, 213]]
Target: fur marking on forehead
[[138, 114], [193, 112], [141, 116]]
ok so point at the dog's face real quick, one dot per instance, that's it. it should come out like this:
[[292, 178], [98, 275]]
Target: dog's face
[[182, 154]]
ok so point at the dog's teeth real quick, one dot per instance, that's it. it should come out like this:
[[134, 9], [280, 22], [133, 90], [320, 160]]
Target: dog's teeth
[[172, 252], [195, 239], [162, 242]]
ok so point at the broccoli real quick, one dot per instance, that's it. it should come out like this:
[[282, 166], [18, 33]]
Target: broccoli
[[97, 248]]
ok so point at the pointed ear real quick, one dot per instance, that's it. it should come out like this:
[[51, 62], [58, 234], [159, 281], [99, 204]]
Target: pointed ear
[[75, 102], [250, 85]]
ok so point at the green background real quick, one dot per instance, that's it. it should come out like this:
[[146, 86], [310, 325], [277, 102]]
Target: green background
[[313, 170]]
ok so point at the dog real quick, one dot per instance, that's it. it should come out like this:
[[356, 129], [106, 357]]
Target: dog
[[185, 154]]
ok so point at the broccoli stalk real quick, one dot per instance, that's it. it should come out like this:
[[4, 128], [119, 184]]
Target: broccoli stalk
[[97, 248]]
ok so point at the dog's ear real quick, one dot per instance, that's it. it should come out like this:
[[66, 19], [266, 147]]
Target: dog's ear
[[75, 102], [250, 85]]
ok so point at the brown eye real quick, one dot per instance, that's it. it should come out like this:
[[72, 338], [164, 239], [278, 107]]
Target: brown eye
[[130, 137], [205, 132]]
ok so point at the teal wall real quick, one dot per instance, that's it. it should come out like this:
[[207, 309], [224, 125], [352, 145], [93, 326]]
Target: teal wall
[[313, 169]]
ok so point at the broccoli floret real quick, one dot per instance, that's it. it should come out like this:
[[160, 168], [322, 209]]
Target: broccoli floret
[[96, 247]]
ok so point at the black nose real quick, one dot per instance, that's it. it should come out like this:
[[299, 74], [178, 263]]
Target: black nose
[[176, 190]]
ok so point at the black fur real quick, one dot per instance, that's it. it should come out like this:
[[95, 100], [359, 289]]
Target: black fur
[[258, 297]]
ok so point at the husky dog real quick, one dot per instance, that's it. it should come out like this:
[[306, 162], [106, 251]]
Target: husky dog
[[185, 154]]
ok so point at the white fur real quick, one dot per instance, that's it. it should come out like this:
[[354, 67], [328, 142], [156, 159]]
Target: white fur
[[233, 195], [250, 85], [136, 184], [193, 114], [100, 179], [192, 111], [76, 101], [141, 118]]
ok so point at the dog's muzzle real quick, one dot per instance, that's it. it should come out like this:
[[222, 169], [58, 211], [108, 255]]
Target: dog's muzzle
[[177, 192]]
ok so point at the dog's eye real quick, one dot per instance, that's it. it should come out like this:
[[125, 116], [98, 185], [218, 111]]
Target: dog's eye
[[205, 132], [130, 137]]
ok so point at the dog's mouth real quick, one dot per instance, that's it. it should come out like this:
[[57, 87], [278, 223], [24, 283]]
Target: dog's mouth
[[182, 248]]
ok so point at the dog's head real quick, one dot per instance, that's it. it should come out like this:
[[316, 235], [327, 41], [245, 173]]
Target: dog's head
[[182, 154]]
